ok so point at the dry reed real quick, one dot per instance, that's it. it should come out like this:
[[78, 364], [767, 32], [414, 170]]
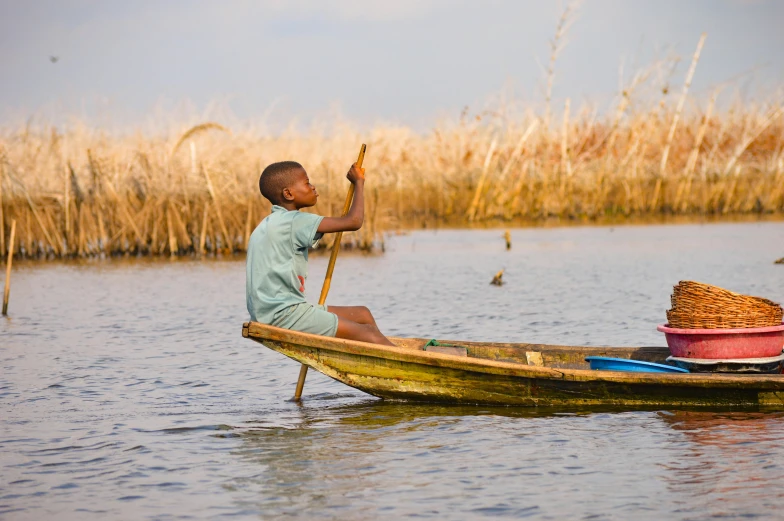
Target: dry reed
[[81, 191]]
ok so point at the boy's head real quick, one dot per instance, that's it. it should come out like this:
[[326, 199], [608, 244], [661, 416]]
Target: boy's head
[[287, 183]]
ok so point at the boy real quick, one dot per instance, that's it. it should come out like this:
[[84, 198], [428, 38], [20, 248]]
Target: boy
[[277, 262]]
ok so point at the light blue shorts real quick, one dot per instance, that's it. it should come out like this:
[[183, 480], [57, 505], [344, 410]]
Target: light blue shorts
[[307, 318]]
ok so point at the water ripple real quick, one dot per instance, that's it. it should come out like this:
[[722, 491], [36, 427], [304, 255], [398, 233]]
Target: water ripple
[[128, 392]]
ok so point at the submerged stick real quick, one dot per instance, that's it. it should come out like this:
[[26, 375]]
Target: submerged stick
[[7, 290], [303, 371]]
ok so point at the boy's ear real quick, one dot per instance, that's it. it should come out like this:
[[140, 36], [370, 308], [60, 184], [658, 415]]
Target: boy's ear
[[287, 195]]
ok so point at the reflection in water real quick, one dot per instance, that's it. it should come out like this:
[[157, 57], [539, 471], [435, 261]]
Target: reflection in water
[[733, 461], [126, 390], [361, 461]]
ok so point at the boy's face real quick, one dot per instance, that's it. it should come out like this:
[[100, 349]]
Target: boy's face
[[301, 193]]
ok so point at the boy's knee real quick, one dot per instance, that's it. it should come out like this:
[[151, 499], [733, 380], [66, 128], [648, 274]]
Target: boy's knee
[[365, 313]]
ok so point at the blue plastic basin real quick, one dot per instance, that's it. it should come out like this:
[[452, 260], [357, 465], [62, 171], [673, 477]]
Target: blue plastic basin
[[636, 366]]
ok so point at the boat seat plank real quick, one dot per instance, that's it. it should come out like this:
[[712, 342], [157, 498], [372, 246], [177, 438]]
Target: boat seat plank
[[546, 355]]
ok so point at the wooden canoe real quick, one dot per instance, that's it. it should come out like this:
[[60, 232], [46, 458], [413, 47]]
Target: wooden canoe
[[514, 374]]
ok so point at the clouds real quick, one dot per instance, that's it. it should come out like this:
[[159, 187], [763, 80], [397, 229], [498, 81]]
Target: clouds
[[356, 10], [406, 60]]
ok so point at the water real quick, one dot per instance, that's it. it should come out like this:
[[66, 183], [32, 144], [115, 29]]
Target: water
[[127, 391]]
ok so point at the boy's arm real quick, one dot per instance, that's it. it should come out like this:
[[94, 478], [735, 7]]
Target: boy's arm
[[352, 221]]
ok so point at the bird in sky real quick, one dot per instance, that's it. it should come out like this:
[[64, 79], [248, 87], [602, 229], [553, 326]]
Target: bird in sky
[[54, 59]]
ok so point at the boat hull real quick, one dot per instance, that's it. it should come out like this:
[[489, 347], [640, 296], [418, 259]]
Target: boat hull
[[407, 373]]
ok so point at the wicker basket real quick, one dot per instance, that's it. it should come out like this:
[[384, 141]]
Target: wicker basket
[[701, 306], [714, 321], [690, 294], [719, 307]]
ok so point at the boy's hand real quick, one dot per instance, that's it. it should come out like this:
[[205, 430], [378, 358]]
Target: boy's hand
[[352, 221], [355, 174]]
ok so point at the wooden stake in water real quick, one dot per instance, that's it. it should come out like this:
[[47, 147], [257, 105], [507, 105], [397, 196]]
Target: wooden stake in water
[[7, 290], [498, 279], [303, 371]]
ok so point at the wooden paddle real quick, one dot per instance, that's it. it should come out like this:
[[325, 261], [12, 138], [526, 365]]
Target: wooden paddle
[[303, 371]]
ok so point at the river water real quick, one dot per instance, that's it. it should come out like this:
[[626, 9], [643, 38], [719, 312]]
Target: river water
[[127, 391]]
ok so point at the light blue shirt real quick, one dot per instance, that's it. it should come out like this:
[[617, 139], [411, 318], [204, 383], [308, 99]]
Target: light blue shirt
[[277, 263]]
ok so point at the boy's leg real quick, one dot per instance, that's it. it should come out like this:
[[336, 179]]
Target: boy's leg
[[358, 314], [350, 327], [351, 330]]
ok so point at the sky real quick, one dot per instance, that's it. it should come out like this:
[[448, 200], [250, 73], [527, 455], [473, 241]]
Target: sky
[[405, 62]]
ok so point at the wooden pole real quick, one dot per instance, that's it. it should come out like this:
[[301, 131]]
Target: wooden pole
[[203, 237], [67, 202], [7, 290], [303, 371], [2, 222]]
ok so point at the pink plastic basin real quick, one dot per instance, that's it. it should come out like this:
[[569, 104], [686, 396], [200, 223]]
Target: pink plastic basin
[[754, 342]]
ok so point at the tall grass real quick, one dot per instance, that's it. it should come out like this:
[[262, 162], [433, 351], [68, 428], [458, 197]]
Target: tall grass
[[81, 191]]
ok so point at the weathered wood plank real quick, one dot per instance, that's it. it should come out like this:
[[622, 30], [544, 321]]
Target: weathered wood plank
[[407, 372]]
